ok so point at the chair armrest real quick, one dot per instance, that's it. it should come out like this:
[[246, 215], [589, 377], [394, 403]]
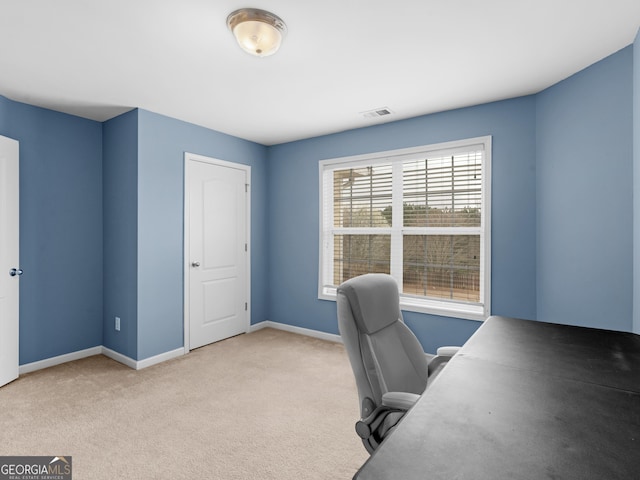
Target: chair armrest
[[400, 400], [447, 351]]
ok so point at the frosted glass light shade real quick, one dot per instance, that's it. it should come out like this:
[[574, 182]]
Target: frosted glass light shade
[[258, 32]]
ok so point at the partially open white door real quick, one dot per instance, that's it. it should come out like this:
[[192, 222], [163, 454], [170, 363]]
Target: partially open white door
[[216, 250], [9, 267]]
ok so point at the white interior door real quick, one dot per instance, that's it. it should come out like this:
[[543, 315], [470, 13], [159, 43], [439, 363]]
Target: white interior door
[[216, 257], [9, 267]]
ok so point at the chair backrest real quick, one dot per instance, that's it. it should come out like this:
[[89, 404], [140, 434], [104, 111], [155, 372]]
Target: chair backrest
[[385, 355]]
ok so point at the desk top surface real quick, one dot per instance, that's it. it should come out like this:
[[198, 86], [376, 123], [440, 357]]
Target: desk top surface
[[524, 400]]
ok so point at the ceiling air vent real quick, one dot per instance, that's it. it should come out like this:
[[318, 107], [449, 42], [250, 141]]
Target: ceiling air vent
[[376, 112]]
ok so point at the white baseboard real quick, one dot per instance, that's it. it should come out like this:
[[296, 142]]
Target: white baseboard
[[100, 350], [163, 357], [140, 364], [53, 361], [299, 330], [118, 357]]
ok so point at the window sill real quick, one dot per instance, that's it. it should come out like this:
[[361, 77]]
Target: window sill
[[431, 307]]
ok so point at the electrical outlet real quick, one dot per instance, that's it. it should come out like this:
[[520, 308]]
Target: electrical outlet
[[117, 324]]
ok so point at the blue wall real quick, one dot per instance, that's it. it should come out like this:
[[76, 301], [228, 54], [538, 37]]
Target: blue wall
[[121, 182], [126, 175], [60, 229], [584, 197], [144, 216], [636, 184], [120, 207], [294, 206], [560, 253], [162, 142]]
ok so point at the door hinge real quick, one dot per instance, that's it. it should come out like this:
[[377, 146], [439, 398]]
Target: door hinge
[[246, 188], [246, 249], [246, 306]]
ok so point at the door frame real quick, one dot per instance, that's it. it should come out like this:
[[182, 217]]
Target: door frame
[[193, 157]]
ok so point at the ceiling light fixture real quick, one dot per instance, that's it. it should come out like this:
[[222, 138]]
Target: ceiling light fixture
[[258, 32]]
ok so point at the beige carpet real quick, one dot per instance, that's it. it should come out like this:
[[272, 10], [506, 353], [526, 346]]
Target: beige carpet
[[265, 405]]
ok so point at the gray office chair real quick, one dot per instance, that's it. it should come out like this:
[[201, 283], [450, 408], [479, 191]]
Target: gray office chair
[[389, 364]]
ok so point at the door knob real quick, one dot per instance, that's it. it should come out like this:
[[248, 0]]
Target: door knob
[[195, 264], [16, 272]]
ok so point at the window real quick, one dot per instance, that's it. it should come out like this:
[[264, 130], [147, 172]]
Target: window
[[419, 214]]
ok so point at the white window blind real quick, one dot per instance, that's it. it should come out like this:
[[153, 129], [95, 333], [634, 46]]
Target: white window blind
[[421, 215]]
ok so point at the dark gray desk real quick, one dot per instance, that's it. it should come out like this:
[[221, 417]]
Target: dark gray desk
[[524, 401]]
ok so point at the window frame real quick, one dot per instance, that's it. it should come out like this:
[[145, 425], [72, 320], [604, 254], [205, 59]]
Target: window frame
[[442, 307]]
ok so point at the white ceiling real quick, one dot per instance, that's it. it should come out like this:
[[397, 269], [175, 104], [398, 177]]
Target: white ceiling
[[97, 59]]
